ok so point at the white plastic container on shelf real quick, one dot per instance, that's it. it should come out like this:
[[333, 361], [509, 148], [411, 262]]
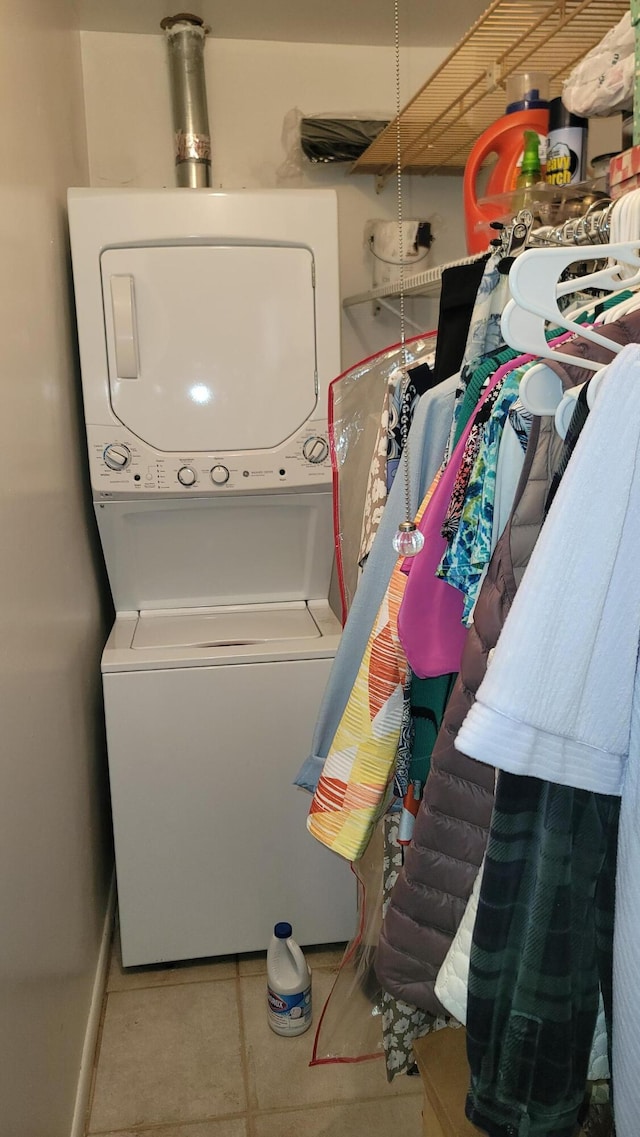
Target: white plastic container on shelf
[[288, 984]]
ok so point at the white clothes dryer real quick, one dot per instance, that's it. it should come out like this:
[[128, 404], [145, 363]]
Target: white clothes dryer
[[209, 330]]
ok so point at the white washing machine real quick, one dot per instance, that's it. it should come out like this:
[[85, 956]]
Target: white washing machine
[[209, 330]]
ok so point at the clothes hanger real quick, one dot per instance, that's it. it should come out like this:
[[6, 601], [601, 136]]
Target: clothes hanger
[[533, 281], [541, 390], [535, 288], [566, 406]]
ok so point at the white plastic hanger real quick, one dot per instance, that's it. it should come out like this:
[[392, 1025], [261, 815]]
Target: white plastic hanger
[[610, 315], [565, 409], [533, 281]]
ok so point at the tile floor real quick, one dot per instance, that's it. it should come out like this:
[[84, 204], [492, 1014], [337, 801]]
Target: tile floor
[[185, 1051]]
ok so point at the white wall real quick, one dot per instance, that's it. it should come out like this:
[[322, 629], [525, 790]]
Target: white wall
[[251, 86], [53, 847]]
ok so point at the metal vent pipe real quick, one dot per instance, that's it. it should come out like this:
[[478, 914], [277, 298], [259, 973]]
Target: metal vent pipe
[[185, 41]]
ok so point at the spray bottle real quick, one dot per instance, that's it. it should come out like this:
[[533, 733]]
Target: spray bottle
[[530, 169]]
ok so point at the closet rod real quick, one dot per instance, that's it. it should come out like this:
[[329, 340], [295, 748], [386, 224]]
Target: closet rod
[[592, 227], [425, 283]]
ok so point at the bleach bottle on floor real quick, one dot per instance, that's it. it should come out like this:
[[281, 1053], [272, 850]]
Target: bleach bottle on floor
[[288, 984]]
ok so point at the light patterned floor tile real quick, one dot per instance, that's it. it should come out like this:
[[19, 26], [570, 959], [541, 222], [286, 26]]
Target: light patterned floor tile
[[235, 1128], [401, 1117], [166, 975], [168, 1056], [279, 1072], [325, 956]]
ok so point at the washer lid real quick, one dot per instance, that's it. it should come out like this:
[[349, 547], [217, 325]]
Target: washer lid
[[225, 627], [211, 347], [206, 552]]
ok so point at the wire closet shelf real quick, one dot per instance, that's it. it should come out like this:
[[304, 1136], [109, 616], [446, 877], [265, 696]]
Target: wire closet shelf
[[466, 92]]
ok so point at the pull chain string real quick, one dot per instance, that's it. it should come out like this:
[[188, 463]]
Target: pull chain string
[[403, 327], [403, 333], [408, 540]]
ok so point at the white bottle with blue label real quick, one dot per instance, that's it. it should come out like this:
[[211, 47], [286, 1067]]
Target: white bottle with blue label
[[288, 984]]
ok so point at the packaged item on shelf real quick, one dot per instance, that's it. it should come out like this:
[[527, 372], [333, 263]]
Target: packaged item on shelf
[[602, 82], [527, 111], [624, 172], [506, 139], [566, 146]]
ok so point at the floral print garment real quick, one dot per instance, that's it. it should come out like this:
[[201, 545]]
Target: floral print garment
[[485, 336], [469, 552], [471, 451], [404, 388]]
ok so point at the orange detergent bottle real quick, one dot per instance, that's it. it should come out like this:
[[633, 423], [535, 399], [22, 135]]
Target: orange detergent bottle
[[505, 138]]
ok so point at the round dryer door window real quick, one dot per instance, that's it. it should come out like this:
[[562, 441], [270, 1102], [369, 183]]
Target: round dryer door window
[[211, 347]]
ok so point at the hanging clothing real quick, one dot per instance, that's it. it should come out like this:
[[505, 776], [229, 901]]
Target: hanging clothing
[[451, 986], [468, 553], [404, 388], [357, 402], [485, 334], [401, 1022], [458, 295], [355, 784], [418, 379], [453, 515], [413, 945], [541, 950], [578, 419], [427, 437], [564, 706], [376, 492], [572, 742], [426, 633], [430, 617], [440, 866], [452, 825]]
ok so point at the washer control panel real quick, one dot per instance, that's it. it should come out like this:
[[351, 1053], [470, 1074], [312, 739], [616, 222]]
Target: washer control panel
[[315, 449], [116, 456], [122, 465]]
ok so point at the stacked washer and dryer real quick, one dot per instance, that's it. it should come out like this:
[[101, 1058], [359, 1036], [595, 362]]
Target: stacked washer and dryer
[[208, 326]]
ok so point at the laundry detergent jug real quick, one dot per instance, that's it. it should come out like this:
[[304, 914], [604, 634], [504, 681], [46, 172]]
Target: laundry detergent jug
[[505, 138]]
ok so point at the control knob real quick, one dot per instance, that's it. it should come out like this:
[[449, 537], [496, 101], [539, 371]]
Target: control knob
[[186, 476], [315, 449], [117, 456], [219, 475]]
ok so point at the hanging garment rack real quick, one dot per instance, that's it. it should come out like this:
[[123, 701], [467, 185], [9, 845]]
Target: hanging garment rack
[[591, 228], [426, 283]]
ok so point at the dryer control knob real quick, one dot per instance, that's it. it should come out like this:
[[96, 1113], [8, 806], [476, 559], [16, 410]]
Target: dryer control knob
[[117, 456], [219, 475], [186, 476], [315, 449]]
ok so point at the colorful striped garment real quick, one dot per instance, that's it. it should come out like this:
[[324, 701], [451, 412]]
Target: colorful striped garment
[[356, 783]]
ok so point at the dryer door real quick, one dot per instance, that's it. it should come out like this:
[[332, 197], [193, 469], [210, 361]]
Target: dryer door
[[211, 347]]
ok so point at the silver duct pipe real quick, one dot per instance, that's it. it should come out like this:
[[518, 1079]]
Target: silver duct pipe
[[185, 41]]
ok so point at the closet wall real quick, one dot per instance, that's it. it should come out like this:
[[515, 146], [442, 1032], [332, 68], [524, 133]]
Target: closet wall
[[54, 850], [251, 85]]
